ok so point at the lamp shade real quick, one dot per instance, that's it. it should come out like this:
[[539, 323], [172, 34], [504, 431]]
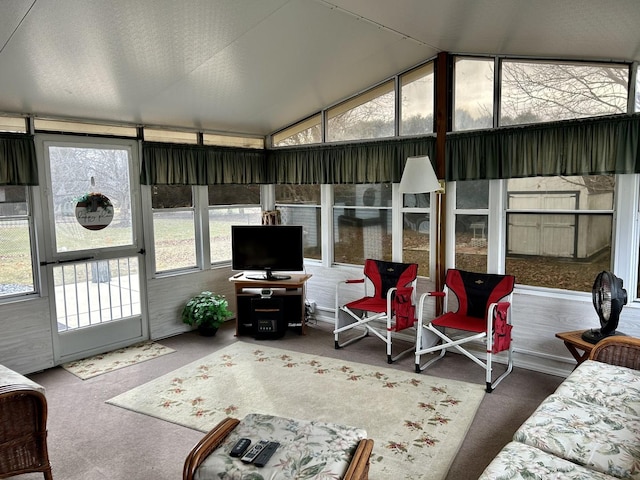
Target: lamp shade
[[418, 176]]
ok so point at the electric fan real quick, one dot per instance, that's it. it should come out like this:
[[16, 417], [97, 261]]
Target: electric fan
[[608, 299]]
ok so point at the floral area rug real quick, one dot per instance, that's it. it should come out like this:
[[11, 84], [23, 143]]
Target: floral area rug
[[123, 357], [417, 421]]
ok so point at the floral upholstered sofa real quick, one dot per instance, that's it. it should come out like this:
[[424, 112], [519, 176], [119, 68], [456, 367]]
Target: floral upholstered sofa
[[589, 428]]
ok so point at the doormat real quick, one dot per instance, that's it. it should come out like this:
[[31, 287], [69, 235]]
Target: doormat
[[417, 421], [123, 357]]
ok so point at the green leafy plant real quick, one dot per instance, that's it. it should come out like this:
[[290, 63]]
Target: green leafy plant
[[206, 310]]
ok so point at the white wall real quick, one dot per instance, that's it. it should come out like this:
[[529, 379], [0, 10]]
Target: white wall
[[26, 340]]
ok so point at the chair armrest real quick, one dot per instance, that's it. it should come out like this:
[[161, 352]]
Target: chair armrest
[[618, 350], [359, 465], [206, 445]]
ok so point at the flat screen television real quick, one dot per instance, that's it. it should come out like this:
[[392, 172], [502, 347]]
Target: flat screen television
[[268, 248]]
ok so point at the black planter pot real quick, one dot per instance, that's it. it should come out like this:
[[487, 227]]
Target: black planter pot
[[207, 331]]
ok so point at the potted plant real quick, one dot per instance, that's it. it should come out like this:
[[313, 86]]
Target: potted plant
[[206, 311]]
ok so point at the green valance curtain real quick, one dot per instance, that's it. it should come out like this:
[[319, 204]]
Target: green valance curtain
[[177, 164], [18, 164], [363, 162], [576, 147], [370, 162]]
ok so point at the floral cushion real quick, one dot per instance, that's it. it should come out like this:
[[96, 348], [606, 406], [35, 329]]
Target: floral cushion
[[517, 461], [594, 436], [9, 377], [308, 449], [621, 390]]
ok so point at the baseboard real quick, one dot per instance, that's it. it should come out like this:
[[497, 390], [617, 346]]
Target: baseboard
[[522, 358]]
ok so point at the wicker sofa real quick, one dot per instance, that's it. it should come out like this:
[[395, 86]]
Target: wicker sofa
[[589, 428]]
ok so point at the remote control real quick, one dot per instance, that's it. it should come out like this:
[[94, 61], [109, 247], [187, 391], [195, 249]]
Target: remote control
[[253, 452], [240, 447], [264, 456]]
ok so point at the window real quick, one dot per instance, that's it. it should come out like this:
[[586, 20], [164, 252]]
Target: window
[[41, 124], [416, 93], [230, 205], [16, 225], [362, 223], [77, 170], [232, 141], [541, 92], [473, 93], [471, 225], [302, 133], [636, 103], [173, 136], [173, 227], [416, 229], [13, 124], [300, 205], [369, 115], [559, 230]]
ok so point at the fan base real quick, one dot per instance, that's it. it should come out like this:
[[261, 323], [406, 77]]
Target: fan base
[[595, 335]]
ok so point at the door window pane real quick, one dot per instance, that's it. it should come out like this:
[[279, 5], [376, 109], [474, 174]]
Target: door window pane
[[76, 171]]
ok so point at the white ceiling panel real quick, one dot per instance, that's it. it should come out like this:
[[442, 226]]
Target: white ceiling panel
[[254, 66]]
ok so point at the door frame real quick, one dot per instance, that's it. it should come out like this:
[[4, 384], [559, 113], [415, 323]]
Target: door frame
[[48, 258]]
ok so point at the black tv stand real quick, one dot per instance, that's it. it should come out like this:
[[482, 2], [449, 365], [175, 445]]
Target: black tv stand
[[253, 307]]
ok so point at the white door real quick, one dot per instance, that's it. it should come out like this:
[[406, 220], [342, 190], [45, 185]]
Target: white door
[[94, 263]]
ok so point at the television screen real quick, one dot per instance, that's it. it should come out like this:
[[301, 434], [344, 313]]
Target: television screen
[[267, 248]]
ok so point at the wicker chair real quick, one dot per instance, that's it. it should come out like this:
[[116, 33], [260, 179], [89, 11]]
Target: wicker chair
[[618, 350], [23, 432]]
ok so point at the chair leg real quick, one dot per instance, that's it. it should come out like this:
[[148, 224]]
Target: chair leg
[[492, 384]]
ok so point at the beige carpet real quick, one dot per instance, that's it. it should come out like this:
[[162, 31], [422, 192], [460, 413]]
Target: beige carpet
[[116, 359], [417, 421]]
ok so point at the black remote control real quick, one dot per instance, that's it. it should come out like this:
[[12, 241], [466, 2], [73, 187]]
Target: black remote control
[[264, 456], [253, 452], [240, 447]]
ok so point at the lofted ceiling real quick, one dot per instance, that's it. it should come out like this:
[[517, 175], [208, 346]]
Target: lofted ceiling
[[254, 66]]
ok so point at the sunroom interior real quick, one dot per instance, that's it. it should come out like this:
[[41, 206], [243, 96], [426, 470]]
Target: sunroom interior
[[194, 119]]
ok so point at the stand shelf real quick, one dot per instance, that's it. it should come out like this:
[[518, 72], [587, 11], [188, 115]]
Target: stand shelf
[[267, 308]]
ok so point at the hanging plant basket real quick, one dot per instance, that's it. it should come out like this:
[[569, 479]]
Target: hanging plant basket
[[94, 211]]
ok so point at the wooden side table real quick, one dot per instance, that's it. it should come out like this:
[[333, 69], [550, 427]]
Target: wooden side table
[[574, 342]]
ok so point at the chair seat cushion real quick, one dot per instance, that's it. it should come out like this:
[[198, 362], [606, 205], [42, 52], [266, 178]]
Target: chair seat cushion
[[461, 322], [370, 304], [587, 434], [307, 449], [621, 391], [518, 461]]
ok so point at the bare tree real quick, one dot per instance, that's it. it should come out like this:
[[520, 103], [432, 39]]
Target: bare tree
[[534, 92]]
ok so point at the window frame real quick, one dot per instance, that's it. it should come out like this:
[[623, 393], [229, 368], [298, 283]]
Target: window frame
[[31, 220]]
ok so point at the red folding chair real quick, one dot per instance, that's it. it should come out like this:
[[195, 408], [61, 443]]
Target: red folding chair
[[389, 297], [483, 314]]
